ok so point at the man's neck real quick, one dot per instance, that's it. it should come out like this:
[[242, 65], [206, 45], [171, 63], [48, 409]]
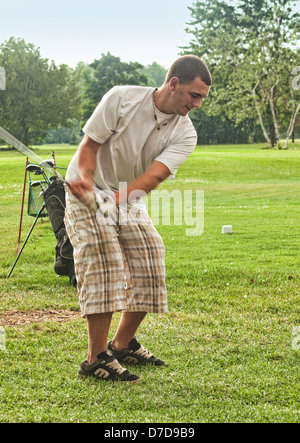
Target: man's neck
[[162, 99]]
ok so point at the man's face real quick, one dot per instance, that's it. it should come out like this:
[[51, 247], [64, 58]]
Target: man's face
[[188, 96]]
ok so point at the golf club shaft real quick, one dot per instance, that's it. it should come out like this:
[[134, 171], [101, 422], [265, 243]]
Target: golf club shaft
[[8, 138]]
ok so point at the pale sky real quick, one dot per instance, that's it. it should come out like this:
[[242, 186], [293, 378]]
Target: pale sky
[[69, 31]]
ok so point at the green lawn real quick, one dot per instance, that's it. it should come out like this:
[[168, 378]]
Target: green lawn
[[233, 304]]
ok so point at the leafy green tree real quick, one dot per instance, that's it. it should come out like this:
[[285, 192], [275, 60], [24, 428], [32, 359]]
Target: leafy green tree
[[216, 130], [156, 74], [39, 95], [71, 135], [251, 48], [105, 73]]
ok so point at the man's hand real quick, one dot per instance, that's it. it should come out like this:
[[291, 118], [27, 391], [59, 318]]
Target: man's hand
[[82, 188]]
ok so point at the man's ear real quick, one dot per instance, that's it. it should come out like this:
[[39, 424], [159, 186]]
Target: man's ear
[[173, 83]]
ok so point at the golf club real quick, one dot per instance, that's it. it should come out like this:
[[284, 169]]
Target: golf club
[[35, 184], [37, 170], [49, 164], [90, 202]]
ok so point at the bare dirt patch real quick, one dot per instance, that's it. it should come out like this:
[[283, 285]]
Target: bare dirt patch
[[23, 318]]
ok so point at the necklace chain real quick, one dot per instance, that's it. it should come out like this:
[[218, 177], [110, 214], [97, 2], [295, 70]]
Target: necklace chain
[[159, 125]]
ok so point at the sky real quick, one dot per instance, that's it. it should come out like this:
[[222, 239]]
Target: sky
[[72, 31]]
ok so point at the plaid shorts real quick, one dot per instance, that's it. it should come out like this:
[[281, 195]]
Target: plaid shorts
[[118, 266]]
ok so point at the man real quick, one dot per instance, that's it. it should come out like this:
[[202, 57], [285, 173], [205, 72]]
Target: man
[[135, 139]]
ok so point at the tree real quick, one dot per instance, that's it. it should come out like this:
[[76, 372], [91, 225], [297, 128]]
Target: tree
[[215, 130], [39, 95], [105, 73], [71, 135], [251, 48], [156, 74]]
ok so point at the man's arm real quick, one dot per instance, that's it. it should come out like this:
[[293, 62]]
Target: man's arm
[[86, 168], [155, 174]]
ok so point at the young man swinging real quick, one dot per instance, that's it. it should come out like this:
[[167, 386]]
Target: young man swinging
[[135, 139]]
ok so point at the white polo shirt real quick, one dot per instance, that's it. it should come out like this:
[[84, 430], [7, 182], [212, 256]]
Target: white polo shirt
[[124, 124]]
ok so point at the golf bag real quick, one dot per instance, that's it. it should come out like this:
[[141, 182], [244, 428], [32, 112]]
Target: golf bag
[[55, 202]]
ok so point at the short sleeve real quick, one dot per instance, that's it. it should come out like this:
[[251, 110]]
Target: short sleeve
[[178, 151], [104, 120]]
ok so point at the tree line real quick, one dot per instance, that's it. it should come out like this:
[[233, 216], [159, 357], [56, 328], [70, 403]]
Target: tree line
[[252, 50]]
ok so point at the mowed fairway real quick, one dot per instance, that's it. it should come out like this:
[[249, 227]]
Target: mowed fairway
[[230, 336]]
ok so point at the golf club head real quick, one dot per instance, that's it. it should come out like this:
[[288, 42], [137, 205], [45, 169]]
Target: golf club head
[[34, 184], [47, 163], [35, 169]]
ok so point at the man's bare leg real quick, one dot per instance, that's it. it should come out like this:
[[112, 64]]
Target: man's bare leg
[[98, 328], [129, 323]]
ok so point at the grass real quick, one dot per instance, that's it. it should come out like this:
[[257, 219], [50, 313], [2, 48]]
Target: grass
[[233, 304]]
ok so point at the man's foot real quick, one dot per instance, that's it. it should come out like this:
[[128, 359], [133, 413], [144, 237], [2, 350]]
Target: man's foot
[[108, 368], [135, 354]]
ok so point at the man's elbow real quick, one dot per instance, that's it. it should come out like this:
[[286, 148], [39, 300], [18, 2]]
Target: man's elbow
[[88, 143], [160, 172]]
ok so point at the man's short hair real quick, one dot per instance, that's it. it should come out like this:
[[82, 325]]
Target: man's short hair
[[187, 68]]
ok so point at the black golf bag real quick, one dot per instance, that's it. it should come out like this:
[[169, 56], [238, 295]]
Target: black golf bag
[[55, 202]]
